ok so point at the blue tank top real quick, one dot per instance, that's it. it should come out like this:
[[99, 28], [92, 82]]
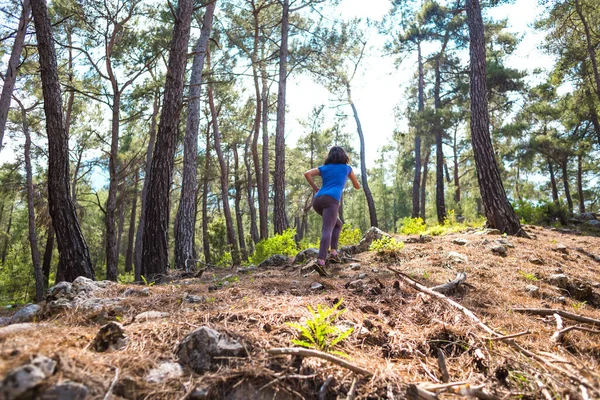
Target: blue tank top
[[334, 179]]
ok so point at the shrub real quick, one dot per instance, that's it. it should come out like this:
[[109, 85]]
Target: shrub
[[349, 235], [544, 213], [386, 245], [226, 260], [413, 226], [278, 244], [126, 277]]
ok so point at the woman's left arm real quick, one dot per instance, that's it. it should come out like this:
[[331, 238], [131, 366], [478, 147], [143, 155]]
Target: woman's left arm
[[309, 175]]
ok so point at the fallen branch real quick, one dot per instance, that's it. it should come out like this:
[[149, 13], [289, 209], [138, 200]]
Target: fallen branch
[[472, 391], [514, 335], [559, 334], [452, 285], [319, 354], [564, 314], [557, 337], [416, 392]]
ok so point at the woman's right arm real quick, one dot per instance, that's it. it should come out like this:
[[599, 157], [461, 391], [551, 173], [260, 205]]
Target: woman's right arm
[[354, 180], [309, 175]]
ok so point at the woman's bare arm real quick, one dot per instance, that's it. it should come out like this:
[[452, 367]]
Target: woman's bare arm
[[354, 180], [309, 175]]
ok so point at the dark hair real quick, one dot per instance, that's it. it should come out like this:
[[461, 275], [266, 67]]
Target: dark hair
[[337, 155]]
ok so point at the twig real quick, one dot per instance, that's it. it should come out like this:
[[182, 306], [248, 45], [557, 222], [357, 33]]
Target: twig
[[543, 389], [445, 385], [514, 335], [112, 385], [319, 354], [564, 314], [473, 391], [557, 336], [442, 365], [324, 386], [416, 392], [450, 286], [352, 391]]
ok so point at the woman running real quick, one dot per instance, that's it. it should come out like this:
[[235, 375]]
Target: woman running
[[334, 173]]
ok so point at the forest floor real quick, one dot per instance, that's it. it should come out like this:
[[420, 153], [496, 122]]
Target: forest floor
[[399, 331]]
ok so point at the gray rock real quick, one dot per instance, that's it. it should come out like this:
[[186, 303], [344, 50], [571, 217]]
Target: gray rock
[[16, 329], [66, 391], [276, 260], [200, 393], [532, 289], [501, 250], [164, 372], [369, 237], [536, 261], [559, 280], [62, 290], [354, 266], [355, 284], [148, 315], [455, 257], [305, 255], [45, 364], [190, 298], [488, 232], [375, 270], [561, 248], [316, 286], [95, 304], [136, 292], [362, 276], [60, 305], [26, 314], [460, 241], [594, 223], [350, 249], [4, 321], [587, 216], [505, 243], [110, 337], [25, 377], [128, 388], [199, 349], [83, 284], [245, 270]]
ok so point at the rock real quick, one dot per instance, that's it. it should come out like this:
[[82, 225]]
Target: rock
[[199, 349], [561, 299], [110, 337], [61, 290], [587, 216], [561, 248], [316, 286], [460, 241], [455, 257], [369, 237], [66, 391], [128, 388], [594, 223], [245, 270], [276, 260], [16, 329], [362, 276], [532, 289], [375, 270], [350, 249], [95, 304], [559, 280], [200, 393], [164, 372], [354, 266], [505, 243], [83, 284], [190, 298], [136, 292], [501, 250], [26, 314], [536, 261], [148, 315], [355, 284], [60, 305], [4, 321], [294, 283], [21, 379], [488, 232], [305, 255]]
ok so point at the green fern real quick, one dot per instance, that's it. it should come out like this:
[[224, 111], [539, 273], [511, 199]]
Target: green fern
[[319, 332]]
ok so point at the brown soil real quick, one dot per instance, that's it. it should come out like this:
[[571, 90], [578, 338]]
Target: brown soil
[[398, 335]]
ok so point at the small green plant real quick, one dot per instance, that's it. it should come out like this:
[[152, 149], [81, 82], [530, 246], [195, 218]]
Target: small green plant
[[426, 275], [147, 282], [319, 332], [413, 226], [278, 244], [578, 305], [210, 299], [226, 260], [386, 246], [127, 277], [528, 276], [349, 235]]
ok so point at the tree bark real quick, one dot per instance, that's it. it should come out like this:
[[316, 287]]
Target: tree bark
[[421, 104], [139, 237], [205, 241], [7, 233], [131, 232], [155, 247], [279, 220], [249, 186], [498, 211], [185, 221], [580, 184], [456, 175], [10, 77], [440, 204], [565, 177], [264, 210], [553, 182], [121, 224], [590, 46], [363, 164], [424, 184], [74, 254], [48, 255], [112, 252], [238, 201]]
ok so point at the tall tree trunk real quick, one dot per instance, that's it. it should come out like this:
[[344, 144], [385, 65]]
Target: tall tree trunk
[[456, 175], [7, 233], [121, 223], [421, 104], [363, 164], [223, 178], [565, 177], [131, 232], [590, 46], [139, 237], [238, 201], [10, 77], [205, 241], [263, 211], [555, 198], [440, 204], [73, 250], [155, 247], [33, 244], [185, 221], [424, 184], [580, 184], [279, 220], [250, 188], [112, 251], [498, 211], [48, 255]]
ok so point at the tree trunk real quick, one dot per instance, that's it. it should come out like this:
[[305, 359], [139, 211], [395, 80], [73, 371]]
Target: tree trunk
[[205, 241], [440, 204], [553, 182], [7, 233], [48, 255], [456, 175], [238, 201], [33, 244], [580, 184], [121, 224], [112, 252], [424, 184], [185, 221], [363, 164], [590, 46], [565, 177], [279, 221], [223, 178], [73, 250], [131, 232], [421, 104], [139, 237], [263, 212], [10, 77], [249, 186], [498, 211]]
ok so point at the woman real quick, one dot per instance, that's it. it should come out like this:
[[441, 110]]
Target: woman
[[334, 172]]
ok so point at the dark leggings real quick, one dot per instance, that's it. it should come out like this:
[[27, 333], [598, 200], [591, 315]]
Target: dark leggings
[[327, 207]]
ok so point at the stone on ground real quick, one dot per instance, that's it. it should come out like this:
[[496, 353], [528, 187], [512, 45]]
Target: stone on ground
[[501, 250], [316, 286], [276, 260], [164, 372], [149, 315], [66, 391], [460, 241], [21, 379], [110, 337], [305, 255], [369, 237], [455, 257], [559, 280], [26, 314]]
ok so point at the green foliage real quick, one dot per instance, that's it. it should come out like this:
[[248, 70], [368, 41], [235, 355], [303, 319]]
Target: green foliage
[[386, 245], [278, 244], [226, 260], [578, 305], [413, 226], [319, 332], [146, 281], [349, 235], [528, 276], [544, 213], [126, 277]]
